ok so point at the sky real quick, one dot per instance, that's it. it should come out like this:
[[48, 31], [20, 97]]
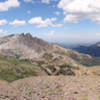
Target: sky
[[64, 21]]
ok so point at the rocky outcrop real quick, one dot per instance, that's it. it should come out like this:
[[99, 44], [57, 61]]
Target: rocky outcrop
[[23, 45]]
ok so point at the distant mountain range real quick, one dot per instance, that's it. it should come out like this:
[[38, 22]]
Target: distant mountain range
[[93, 50]]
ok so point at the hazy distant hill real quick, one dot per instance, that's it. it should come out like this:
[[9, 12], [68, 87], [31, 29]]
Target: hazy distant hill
[[93, 50]]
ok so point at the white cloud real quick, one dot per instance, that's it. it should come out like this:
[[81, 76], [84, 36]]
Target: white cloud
[[76, 10], [29, 12], [51, 33], [17, 23], [38, 1], [56, 25], [57, 13], [3, 22], [4, 6], [45, 1], [27, 0], [2, 32], [39, 22]]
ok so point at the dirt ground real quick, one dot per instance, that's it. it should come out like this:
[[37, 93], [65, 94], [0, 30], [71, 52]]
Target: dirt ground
[[52, 88]]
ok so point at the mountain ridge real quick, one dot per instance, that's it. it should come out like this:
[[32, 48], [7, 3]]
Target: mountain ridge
[[22, 55], [93, 50], [24, 44]]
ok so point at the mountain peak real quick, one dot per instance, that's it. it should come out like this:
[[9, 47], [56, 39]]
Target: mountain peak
[[24, 45], [28, 34]]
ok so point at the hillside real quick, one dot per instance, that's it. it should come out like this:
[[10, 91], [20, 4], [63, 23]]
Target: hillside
[[13, 69], [33, 69], [22, 55]]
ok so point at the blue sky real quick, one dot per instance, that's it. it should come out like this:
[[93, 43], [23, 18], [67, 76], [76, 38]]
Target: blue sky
[[65, 21]]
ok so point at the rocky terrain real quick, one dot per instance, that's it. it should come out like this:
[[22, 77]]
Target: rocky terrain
[[33, 69], [23, 45], [52, 88], [22, 55], [26, 46]]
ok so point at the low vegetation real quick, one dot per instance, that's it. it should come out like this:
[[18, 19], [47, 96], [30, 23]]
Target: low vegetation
[[13, 69], [95, 61]]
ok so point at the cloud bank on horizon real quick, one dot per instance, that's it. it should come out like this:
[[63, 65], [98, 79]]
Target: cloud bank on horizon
[[52, 18]]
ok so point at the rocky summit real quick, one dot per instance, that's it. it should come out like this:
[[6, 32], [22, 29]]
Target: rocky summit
[[23, 45]]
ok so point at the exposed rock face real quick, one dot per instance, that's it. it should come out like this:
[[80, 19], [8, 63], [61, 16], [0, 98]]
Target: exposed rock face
[[24, 45]]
